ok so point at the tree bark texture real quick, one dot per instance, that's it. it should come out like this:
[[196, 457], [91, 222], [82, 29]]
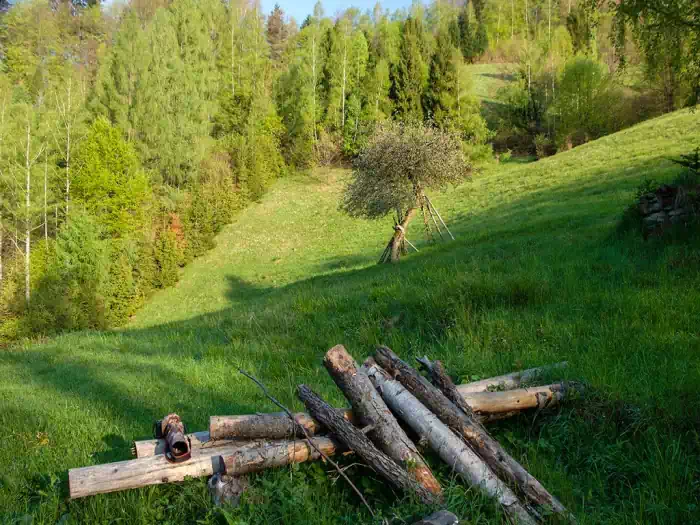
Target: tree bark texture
[[370, 410], [271, 426], [450, 447], [355, 440], [465, 425], [156, 470], [397, 241], [254, 459]]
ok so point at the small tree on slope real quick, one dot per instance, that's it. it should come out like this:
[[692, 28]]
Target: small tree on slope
[[391, 174]]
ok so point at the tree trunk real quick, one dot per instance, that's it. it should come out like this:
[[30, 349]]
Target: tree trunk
[[356, 441], [494, 403], [313, 79], [254, 459], [46, 214], [69, 129], [371, 411], [397, 241], [345, 56], [451, 449], [27, 226], [463, 424], [269, 426], [156, 470], [2, 231]]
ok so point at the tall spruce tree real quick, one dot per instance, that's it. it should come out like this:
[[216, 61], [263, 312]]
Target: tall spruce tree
[[409, 74], [277, 33], [441, 95]]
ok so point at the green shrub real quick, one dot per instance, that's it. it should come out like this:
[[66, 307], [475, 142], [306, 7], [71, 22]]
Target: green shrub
[[543, 146], [167, 254], [120, 290], [70, 293]]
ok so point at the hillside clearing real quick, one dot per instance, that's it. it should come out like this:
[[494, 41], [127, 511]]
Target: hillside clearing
[[539, 273]]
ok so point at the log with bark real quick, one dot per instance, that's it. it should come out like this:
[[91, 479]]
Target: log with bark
[[370, 410], [450, 447], [354, 439], [277, 425], [156, 470], [509, 381], [463, 423]]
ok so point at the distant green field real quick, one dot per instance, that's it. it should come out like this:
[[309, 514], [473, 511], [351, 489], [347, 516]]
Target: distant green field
[[540, 273], [489, 78]]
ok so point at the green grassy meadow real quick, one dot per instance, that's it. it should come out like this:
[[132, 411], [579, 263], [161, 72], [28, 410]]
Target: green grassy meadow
[[540, 272]]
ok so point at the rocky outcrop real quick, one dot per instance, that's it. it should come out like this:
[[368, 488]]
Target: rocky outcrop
[[666, 206]]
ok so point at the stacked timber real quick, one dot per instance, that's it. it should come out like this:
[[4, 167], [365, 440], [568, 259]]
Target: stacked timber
[[388, 400]]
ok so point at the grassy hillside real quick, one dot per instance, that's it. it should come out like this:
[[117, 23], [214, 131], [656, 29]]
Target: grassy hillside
[[539, 273]]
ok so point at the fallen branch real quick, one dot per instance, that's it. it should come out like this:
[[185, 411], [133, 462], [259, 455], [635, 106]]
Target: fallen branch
[[463, 424], [355, 440], [371, 411], [451, 449]]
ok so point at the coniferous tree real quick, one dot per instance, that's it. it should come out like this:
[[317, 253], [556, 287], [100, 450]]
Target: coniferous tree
[[441, 96], [277, 33], [409, 74]]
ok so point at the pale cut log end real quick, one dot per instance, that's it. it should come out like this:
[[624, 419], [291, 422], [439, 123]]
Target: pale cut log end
[[338, 358]]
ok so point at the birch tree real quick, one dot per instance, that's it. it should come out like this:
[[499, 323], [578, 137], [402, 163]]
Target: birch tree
[[69, 102]]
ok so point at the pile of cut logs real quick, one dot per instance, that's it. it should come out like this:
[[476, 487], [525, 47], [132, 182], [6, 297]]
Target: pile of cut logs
[[449, 418]]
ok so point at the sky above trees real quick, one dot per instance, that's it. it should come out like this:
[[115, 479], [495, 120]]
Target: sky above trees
[[299, 9]]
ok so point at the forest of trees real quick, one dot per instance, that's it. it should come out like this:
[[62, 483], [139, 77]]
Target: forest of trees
[[130, 134]]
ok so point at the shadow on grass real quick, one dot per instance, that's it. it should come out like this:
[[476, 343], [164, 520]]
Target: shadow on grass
[[502, 295]]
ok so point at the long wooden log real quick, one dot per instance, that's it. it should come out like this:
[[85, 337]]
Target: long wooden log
[[154, 470], [491, 404], [463, 424], [508, 381], [451, 449], [249, 459], [370, 411], [254, 426], [353, 438]]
